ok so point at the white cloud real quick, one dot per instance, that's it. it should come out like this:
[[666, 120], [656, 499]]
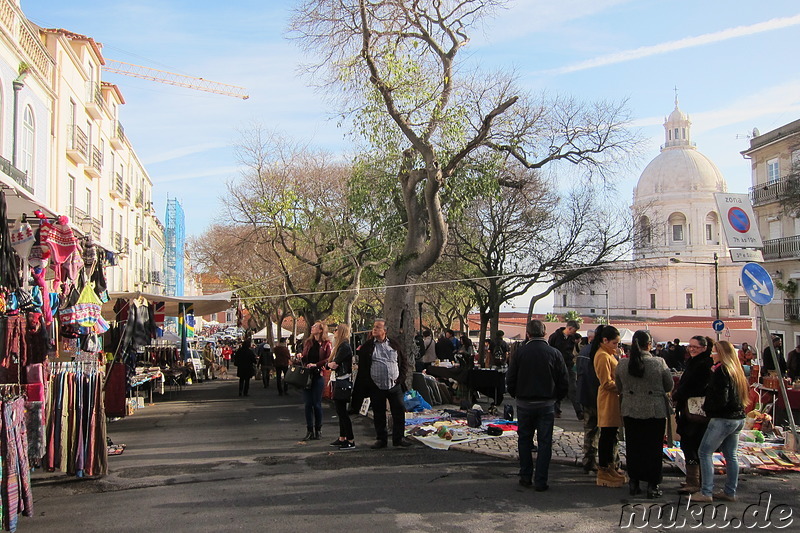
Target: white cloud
[[222, 172], [525, 17], [680, 44], [177, 153]]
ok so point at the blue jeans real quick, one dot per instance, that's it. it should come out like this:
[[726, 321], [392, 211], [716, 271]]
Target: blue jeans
[[540, 420], [722, 433], [313, 403]]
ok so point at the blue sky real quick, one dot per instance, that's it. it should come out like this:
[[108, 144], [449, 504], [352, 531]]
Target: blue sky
[[734, 63]]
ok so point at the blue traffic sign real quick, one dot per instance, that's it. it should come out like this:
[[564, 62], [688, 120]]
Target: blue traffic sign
[[757, 284], [739, 219], [718, 325]]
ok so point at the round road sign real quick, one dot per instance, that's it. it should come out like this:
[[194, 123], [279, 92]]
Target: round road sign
[[757, 283], [739, 219], [718, 325]]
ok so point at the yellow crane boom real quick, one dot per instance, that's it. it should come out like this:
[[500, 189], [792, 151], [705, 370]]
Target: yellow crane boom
[[171, 78]]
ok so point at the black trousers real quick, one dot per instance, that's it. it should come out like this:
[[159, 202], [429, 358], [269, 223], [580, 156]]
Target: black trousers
[[605, 446], [378, 398], [280, 375], [345, 424], [644, 442], [244, 386]]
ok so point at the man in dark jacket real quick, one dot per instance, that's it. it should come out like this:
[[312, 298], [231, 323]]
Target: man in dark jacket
[[566, 340], [382, 369], [536, 378]]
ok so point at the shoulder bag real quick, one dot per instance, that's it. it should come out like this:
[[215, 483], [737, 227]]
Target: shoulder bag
[[694, 410], [342, 387]]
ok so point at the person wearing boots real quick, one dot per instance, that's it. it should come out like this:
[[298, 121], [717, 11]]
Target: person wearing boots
[[643, 382], [315, 354], [604, 359], [692, 384]]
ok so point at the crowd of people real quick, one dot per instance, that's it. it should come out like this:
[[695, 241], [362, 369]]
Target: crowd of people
[[611, 388], [632, 389]]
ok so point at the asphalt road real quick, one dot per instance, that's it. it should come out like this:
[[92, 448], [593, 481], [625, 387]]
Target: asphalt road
[[207, 460]]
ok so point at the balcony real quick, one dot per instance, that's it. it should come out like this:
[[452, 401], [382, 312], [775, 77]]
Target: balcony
[[783, 248], [118, 137], [76, 215], [77, 145], [97, 229], [119, 186], [139, 235], [118, 242], [767, 193], [15, 174], [791, 309], [95, 167], [139, 200], [156, 276], [126, 246], [95, 104]]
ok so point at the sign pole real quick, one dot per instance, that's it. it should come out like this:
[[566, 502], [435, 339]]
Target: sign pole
[[781, 384]]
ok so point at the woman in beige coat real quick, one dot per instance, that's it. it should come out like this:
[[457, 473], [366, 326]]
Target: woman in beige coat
[[609, 419]]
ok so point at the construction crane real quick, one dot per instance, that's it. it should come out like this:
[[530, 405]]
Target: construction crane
[[171, 78]]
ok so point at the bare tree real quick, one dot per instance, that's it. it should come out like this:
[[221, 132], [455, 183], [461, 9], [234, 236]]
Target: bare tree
[[396, 64]]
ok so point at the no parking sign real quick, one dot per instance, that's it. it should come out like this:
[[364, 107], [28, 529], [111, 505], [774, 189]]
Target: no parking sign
[[738, 220]]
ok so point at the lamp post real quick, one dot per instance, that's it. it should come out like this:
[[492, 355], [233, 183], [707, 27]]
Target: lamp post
[[715, 264]]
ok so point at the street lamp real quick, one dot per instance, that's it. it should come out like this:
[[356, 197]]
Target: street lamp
[[715, 264]]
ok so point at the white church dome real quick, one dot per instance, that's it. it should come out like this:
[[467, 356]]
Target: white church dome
[[680, 170]]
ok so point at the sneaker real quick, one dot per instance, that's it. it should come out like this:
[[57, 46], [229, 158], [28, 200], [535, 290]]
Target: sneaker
[[337, 443], [405, 443], [348, 445], [722, 495], [378, 444]]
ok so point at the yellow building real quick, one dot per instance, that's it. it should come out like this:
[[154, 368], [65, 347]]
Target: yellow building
[[775, 162]]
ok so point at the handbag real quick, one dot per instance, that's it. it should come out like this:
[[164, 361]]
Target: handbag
[[694, 410], [299, 377], [474, 418], [342, 388]]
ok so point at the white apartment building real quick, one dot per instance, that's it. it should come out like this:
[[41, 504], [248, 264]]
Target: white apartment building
[[26, 105]]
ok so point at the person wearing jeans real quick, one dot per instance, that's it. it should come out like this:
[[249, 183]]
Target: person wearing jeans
[[726, 397], [316, 351], [536, 379]]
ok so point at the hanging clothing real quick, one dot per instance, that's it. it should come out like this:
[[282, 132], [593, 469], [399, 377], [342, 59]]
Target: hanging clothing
[[16, 483]]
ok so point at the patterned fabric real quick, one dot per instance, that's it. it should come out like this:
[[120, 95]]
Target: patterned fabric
[[16, 491], [59, 237]]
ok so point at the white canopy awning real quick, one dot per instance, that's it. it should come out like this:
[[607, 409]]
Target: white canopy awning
[[202, 305], [263, 333]]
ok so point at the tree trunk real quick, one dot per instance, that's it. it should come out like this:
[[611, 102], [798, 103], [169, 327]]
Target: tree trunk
[[400, 309]]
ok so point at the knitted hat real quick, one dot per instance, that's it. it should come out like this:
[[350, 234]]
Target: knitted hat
[[59, 238], [39, 256], [22, 239]]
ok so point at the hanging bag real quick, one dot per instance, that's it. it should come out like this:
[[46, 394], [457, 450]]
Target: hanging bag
[[342, 387], [694, 410], [85, 312]]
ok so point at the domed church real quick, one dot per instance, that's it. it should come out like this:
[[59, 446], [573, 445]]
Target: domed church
[[677, 226]]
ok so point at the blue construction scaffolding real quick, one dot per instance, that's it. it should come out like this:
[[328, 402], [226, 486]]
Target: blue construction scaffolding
[[175, 236]]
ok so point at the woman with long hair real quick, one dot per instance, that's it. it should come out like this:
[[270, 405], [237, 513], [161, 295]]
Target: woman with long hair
[[643, 382], [315, 354], [726, 396], [693, 383], [604, 359], [342, 364]]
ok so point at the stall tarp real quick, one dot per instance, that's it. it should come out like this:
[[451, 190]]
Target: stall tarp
[[202, 305], [263, 333]]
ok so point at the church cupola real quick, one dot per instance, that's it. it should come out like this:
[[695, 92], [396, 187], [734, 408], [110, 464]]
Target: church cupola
[[677, 129]]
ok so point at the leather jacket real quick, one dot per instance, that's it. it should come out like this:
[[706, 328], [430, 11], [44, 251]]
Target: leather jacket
[[722, 398]]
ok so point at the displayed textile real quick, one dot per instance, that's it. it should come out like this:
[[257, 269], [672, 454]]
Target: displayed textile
[[15, 488], [8, 265], [76, 422]]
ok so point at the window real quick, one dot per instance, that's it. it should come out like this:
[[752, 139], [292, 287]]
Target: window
[[744, 306], [28, 135], [71, 195], [677, 223], [592, 311], [88, 203], [677, 232], [634, 312], [591, 292], [101, 211], [652, 301], [563, 300], [689, 300], [773, 170]]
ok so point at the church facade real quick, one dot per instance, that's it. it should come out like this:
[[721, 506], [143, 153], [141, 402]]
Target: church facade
[[680, 264]]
